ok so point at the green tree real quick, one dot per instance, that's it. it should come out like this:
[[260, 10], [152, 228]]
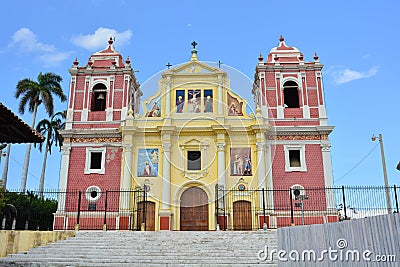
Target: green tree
[[33, 212], [51, 129], [33, 93]]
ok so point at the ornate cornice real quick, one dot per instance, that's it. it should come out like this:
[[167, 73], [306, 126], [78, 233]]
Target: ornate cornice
[[294, 137], [97, 140]]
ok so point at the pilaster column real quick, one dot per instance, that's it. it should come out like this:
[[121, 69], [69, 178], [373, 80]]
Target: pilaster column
[[220, 97], [270, 185], [166, 182], [126, 179], [221, 164], [261, 173], [62, 187], [168, 97], [326, 159]]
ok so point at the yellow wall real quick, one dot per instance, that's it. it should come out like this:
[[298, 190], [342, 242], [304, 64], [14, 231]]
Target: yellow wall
[[192, 131], [21, 241]]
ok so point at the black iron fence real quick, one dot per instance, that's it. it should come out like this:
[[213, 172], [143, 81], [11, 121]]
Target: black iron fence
[[235, 209], [252, 209]]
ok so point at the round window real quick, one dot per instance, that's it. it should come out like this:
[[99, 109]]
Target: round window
[[93, 193]]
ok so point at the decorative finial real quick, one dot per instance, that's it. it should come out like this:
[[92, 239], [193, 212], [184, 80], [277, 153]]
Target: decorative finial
[[194, 52], [281, 39], [260, 58], [219, 63], [110, 41], [168, 65], [128, 60], [76, 62], [316, 56]]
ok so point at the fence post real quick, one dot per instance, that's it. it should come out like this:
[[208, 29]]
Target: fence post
[[216, 208], [263, 199], [30, 194], [344, 203], [143, 228], [396, 199], [105, 213], [79, 211], [291, 207], [224, 207]]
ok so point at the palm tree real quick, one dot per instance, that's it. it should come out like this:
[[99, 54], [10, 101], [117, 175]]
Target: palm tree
[[33, 94], [50, 129]]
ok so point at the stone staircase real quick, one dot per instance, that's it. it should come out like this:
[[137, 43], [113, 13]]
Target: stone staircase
[[164, 248]]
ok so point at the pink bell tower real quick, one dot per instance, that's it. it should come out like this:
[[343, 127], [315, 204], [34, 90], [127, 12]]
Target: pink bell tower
[[102, 94], [289, 92]]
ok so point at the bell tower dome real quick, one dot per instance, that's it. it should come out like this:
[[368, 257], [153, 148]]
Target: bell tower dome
[[102, 91]]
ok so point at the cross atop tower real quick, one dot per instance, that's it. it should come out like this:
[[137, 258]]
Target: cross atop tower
[[194, 44]]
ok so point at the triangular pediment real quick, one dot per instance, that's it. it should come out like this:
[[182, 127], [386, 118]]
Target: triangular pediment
[[194, 67], [192, 142]]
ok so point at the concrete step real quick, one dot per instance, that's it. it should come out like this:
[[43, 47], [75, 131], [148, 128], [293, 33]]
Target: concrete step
[[98, 248]]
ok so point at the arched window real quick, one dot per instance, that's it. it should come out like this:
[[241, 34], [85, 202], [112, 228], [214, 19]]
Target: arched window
[[99, 97], [291, 94]]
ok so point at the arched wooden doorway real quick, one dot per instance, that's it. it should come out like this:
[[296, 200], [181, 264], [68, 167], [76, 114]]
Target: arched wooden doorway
[[148, 208], [194, 210], [242, 215]]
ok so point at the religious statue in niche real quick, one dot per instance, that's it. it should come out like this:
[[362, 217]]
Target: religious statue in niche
[[208, 101], [241, 161], [235, 107], [180, 100], [194, 101], [147, 162], [153, 108]]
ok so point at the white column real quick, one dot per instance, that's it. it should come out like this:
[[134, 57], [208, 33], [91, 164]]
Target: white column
[[126, 179], [166, 176], [326, 159], [221, 164], [261, 179], [62, 186], [261, 173], [270, 195], [168, 98]]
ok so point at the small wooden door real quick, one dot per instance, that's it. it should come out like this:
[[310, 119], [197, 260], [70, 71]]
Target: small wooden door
[[242, 215], [194, 210], [149, 209]]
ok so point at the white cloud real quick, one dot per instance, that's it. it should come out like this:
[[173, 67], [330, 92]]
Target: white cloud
[[100, 37], [348, 75], [26, 41], [52, 59]]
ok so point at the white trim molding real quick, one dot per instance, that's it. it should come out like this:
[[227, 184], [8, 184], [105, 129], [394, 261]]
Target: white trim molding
[[302, 149], [89, 151]]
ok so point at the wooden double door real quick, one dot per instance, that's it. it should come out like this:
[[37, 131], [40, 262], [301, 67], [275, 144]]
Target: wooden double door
[[194, 210], [242, 215]]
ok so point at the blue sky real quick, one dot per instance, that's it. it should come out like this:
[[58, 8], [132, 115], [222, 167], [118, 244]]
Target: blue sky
[[357, 41]]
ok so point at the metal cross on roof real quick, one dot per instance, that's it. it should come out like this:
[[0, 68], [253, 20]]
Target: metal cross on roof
[[168, 65], [219, 63], [194, 44]]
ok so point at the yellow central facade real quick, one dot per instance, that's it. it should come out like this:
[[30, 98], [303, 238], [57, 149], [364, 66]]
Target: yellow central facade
[[194, 133]]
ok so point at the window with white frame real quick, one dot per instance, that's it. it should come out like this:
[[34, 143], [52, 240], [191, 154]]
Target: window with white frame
[[295, 159], [95, 160]]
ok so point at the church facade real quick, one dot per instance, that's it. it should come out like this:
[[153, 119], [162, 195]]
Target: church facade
[[194, 139]]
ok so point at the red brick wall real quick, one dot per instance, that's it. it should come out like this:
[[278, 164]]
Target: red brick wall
[[312, 178], [78, 181]]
